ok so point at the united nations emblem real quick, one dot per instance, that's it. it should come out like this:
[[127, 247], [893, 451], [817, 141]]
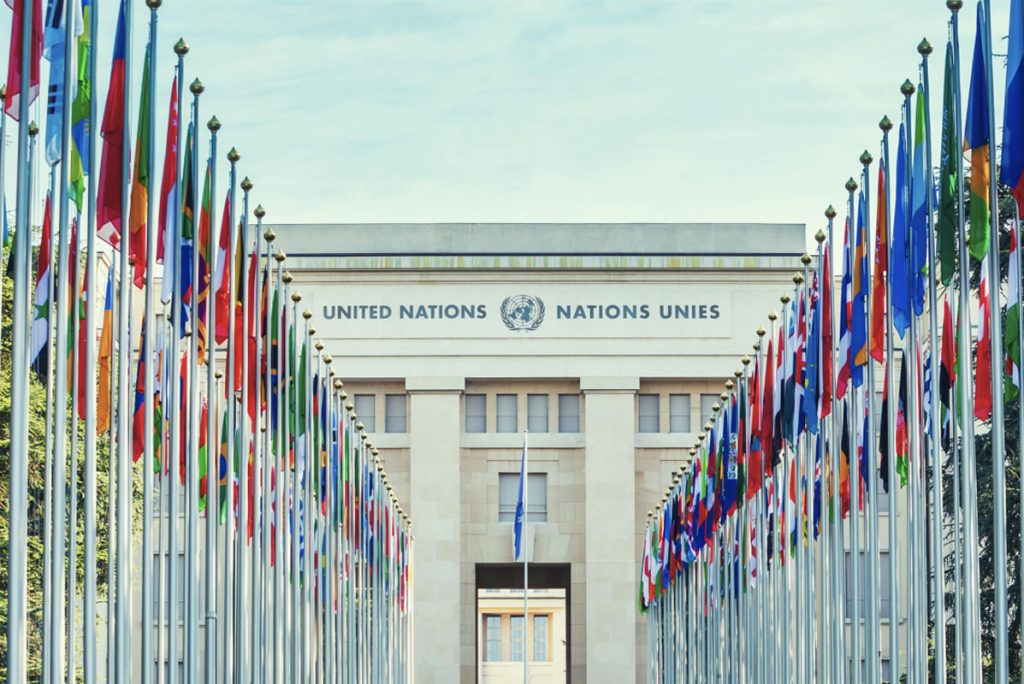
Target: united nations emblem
[[522, 312]]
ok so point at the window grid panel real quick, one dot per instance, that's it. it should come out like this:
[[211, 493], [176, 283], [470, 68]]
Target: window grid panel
[[507, 413], [476, 413], [679, 413], [540, 637], [536, 493], [492, 638], [706, 402], [517, 638], [365, 405], [395, 413], [537, 412], [568, 413], [648, 412]]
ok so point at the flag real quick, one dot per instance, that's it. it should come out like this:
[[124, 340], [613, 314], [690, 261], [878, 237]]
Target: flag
[[12, 100], [883, 435], [844, 466], [222, 468], [41, 302], [881, 269], [768, 411], [983, 353], [902, 422], [977, 139], [947, 224], [138, 414], [169, 199], [826, 336], [812, 370], [1011, 336], [103, 362], [203, 249], [54, 40], [222, 282], [109, 189], [519, 529], [845, 318], [203, 454], [1011, 166], [899, 266], [186, 248], [137, 215], [919, 188], [947, 373], [858, 323], [80, 105]]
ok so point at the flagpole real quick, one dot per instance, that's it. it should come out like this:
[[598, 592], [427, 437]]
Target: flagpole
[[242, 577], [212, 444], [853, 416], [49, 520], [998, 434], [229, 626], [525, 554], [72, 570], [192, 465], [1020, 391]]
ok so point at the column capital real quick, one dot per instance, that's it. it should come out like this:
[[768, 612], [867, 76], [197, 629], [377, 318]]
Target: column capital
[[435, 385], [610, 385]]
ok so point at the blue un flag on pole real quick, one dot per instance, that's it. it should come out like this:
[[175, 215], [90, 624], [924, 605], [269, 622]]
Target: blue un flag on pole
[[517, 544]]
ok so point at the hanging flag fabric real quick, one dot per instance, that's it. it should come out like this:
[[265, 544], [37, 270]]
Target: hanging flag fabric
[[899, 267], [183, 262], [902, 423], [845, 318], [109, 188], [519, 528], [811, 360], [222, 283], [15, 88], [137, 215], [203, 454], [947, 374], [883, 435], [41, 304], [768, 411], [946, 224], [1011, 166], [858, 322], [977, 139], [203, 250], [138, 415], [54, 39], [106, 350], [878, 313], [983, 352], [919, 189], [825, 403], [1011, 336], [80, 105], [168, 225]]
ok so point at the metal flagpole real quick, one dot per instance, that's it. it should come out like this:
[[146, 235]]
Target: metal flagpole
[[287, 530], [72, 569], [228, 623], [281, 468], [149, 374], [996, 337], [925, 49], [242, 576], [124, 476], [800, 301], [266, 650], [302, 486], [972, 620], [255, 552], [49, 524], [89, 610], [212, 448], [853, 417], [17, 559], [1020, 399], [526, 551], [873, 636], [192, 582], [176, 399], [293, 535], [835, 526]]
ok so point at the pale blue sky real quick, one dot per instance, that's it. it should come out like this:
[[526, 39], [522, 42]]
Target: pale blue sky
[[549, 111]]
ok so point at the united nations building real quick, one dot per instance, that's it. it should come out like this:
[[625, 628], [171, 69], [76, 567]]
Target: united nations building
[[603, 345]]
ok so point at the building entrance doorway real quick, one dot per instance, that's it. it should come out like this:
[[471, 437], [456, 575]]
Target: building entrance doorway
[[503, 636]]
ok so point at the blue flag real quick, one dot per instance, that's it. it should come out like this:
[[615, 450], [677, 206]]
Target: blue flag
[[520, 508], [859, 320], [1011, 169], [811, 370], [899, 267], [919, 186]]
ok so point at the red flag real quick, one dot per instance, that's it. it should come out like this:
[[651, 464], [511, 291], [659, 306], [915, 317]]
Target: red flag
[[110, 189], [768, 411], [168, 183], [222, 279], [12, 102], [983, 356], [877, 338]]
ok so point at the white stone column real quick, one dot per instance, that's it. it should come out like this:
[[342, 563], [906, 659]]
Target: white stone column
[[610, 482], [435, 481]]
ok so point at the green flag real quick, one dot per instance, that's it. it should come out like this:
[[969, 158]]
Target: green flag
[[946, 226]]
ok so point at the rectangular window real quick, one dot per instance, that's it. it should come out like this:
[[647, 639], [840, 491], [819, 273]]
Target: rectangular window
[[508, 420], [366, 409], [536, 497], [537, 412], [568, 413], [540, 637], [679, 413], [517, 640], [706, 402], [394, 413], [884, 590], [476, 413], [649, 412], [492, 638]]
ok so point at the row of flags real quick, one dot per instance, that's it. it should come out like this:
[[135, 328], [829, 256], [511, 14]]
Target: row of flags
[[303, 564], [860, 402]]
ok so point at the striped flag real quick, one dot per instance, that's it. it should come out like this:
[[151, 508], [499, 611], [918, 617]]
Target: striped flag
[[41, 304], [15, 89], [105, 351], [977, 139]]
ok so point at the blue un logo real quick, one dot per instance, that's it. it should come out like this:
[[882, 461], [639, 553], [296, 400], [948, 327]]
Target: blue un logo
[[522, 312]]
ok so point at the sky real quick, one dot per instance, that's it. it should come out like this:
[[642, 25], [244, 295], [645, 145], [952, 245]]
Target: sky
[[561, 111]]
